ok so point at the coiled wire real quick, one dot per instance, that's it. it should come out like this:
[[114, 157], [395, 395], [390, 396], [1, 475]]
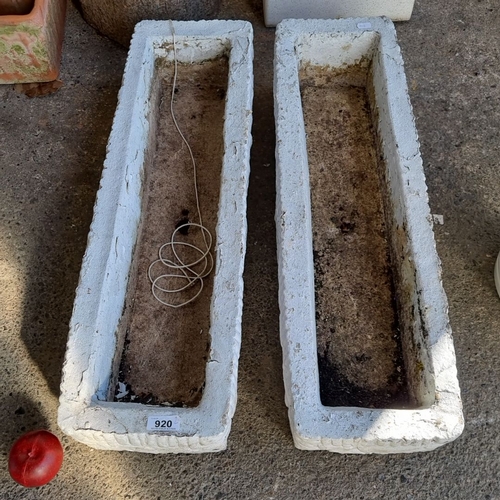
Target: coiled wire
[[191, 273]]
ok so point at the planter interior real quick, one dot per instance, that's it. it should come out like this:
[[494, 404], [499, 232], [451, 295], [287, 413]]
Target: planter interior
[[368, 353], [166, 349], [362, 304], [131, 360]]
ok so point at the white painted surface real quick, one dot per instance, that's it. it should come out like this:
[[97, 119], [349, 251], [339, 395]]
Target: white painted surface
[[277, 10], [84, 412], [342, 429]]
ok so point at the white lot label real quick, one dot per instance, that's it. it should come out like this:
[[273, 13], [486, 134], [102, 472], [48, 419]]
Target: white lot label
[[162, 423], [364, 26]]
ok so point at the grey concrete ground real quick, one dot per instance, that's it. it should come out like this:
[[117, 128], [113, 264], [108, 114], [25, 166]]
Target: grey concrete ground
[[51, 155]]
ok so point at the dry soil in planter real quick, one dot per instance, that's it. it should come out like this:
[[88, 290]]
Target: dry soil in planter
[[139, 203], [385, 212], [359, 347], [165, 351]]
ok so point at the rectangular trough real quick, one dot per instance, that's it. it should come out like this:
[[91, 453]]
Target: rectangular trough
[[138, 375], [368, 357]]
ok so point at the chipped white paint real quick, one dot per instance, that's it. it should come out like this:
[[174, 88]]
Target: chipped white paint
[[84, 411], [277, 10], [424, 308], [437, 219]]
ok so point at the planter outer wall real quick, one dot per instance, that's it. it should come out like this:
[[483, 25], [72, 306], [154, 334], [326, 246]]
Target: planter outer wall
[[117, 19], [438, 419], [87, 412]]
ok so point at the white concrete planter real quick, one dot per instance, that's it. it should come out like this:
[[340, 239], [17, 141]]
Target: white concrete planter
[[87, 412], [423, 310], [277, 10]]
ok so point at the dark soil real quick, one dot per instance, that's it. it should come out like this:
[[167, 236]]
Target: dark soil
[[359, 346], [166, 349]]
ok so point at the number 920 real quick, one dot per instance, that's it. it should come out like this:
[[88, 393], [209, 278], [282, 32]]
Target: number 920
[[163, 424]]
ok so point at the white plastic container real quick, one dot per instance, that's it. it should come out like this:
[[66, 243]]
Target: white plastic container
[[85, 413], [437, 419], [277, 10]]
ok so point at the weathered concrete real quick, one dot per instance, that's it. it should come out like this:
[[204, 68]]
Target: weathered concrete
[[52, 151], [421, 300], [86, 411]]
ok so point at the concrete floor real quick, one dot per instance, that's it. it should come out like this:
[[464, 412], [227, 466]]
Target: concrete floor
[[51, 155]]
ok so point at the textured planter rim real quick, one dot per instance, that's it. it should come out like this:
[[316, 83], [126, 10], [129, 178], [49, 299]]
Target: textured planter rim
[[278, 10], [84, 412], [345, 429]]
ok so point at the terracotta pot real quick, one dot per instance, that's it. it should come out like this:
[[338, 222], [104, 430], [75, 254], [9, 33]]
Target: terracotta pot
[[31, 43], [117, 18]]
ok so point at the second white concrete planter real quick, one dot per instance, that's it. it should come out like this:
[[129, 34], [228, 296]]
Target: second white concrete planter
[[87, 411], [436, 418]]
